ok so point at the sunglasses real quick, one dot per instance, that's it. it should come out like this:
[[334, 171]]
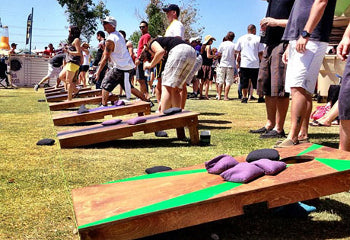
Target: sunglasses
[[142, 27]]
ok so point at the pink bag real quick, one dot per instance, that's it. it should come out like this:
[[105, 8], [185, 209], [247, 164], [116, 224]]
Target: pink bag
[[320, 111]]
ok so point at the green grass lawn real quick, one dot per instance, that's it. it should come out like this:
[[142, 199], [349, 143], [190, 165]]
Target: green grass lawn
[[36, 181]]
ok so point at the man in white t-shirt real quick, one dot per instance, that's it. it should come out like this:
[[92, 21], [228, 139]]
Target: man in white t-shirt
[[116, 51], [250, 51], [175, 28], [227, 66]]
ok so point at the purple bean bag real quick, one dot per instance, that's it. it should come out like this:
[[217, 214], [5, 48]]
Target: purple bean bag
[[111, 122], [136, 120], [242, 173], [220, 163], [119, 103], [270, 167]]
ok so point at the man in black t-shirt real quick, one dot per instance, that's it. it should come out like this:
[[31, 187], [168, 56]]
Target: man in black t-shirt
[[271, 78], [54, 69]]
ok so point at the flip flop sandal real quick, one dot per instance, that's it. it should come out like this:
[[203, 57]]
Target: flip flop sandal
[[286, 143]]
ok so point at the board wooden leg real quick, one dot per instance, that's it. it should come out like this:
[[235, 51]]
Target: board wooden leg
[[180, 132]]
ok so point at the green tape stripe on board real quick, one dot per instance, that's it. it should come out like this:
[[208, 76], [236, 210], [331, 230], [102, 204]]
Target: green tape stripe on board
[[159, 175], [182, 200], [313, 147], [337, 164]]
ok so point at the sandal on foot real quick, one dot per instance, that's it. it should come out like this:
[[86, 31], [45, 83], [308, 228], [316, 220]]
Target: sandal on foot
[[286, 143]]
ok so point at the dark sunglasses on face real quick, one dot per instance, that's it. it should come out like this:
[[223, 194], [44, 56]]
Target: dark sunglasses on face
[[142, 27]]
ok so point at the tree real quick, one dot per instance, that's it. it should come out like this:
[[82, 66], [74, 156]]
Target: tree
[[135, 37], [189, 17], [157, 21], [84, 14]]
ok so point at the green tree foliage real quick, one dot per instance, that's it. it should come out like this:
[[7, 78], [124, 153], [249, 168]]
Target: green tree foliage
[[135, 37], [190, 18], [157, 21], [84, 14]]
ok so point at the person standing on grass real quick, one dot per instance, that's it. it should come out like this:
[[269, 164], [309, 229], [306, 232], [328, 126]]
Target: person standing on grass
[[250, 51], [181, 65], [86, 63], [140, 73], [205, 73], [116, 51], [271, 78], [307, 31], [176, 29], [73, 60], [101, 46], [344, 95], [227, 65]]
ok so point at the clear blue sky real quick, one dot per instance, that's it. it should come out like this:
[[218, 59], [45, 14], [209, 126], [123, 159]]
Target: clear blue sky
[[50, 22]]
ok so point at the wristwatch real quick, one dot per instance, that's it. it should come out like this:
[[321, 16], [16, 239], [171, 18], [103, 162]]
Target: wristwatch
[[305, 34]]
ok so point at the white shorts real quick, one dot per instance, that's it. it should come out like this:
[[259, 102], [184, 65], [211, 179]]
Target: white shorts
[[225, 75], [53, 72], [179, 66], [303, 68]]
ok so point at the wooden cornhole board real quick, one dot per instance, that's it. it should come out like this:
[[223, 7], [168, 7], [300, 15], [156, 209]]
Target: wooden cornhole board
[[53, 88], [139, 107], [76, 102], [62, 97], [62, 91], [99, 133], [151, 204]]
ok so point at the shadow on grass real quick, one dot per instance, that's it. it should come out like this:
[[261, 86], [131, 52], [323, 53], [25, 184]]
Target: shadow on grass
[[141, 143], [209, 127], [319, 138], [212, 114], [264, 225]]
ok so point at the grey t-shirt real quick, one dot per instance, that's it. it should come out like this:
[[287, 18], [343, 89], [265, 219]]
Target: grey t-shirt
[[299, 16]]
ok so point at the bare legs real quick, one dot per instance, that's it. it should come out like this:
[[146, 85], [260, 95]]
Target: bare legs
[[276, 109], [300, 112], [344, 135]]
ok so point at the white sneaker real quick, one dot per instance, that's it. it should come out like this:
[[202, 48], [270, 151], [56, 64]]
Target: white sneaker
[[36, 87]]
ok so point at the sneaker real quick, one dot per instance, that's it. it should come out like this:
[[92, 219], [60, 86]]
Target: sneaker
[[261, 100], [273, 134], [244, 100], [260, 130], [36, 87]]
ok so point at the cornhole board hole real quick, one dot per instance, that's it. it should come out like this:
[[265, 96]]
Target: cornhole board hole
[[62, 97], [139, 107], [98, 133], [76, 102], [62, 91], [151, 204]]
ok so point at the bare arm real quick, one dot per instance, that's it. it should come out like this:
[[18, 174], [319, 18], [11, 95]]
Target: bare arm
[[76, 44], [272, 22], [109, 48], [208, 49], [344, 45], [158, 55], [316, 14]]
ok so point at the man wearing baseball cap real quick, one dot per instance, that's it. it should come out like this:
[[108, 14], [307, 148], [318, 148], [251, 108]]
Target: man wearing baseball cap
[[117, 52]]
